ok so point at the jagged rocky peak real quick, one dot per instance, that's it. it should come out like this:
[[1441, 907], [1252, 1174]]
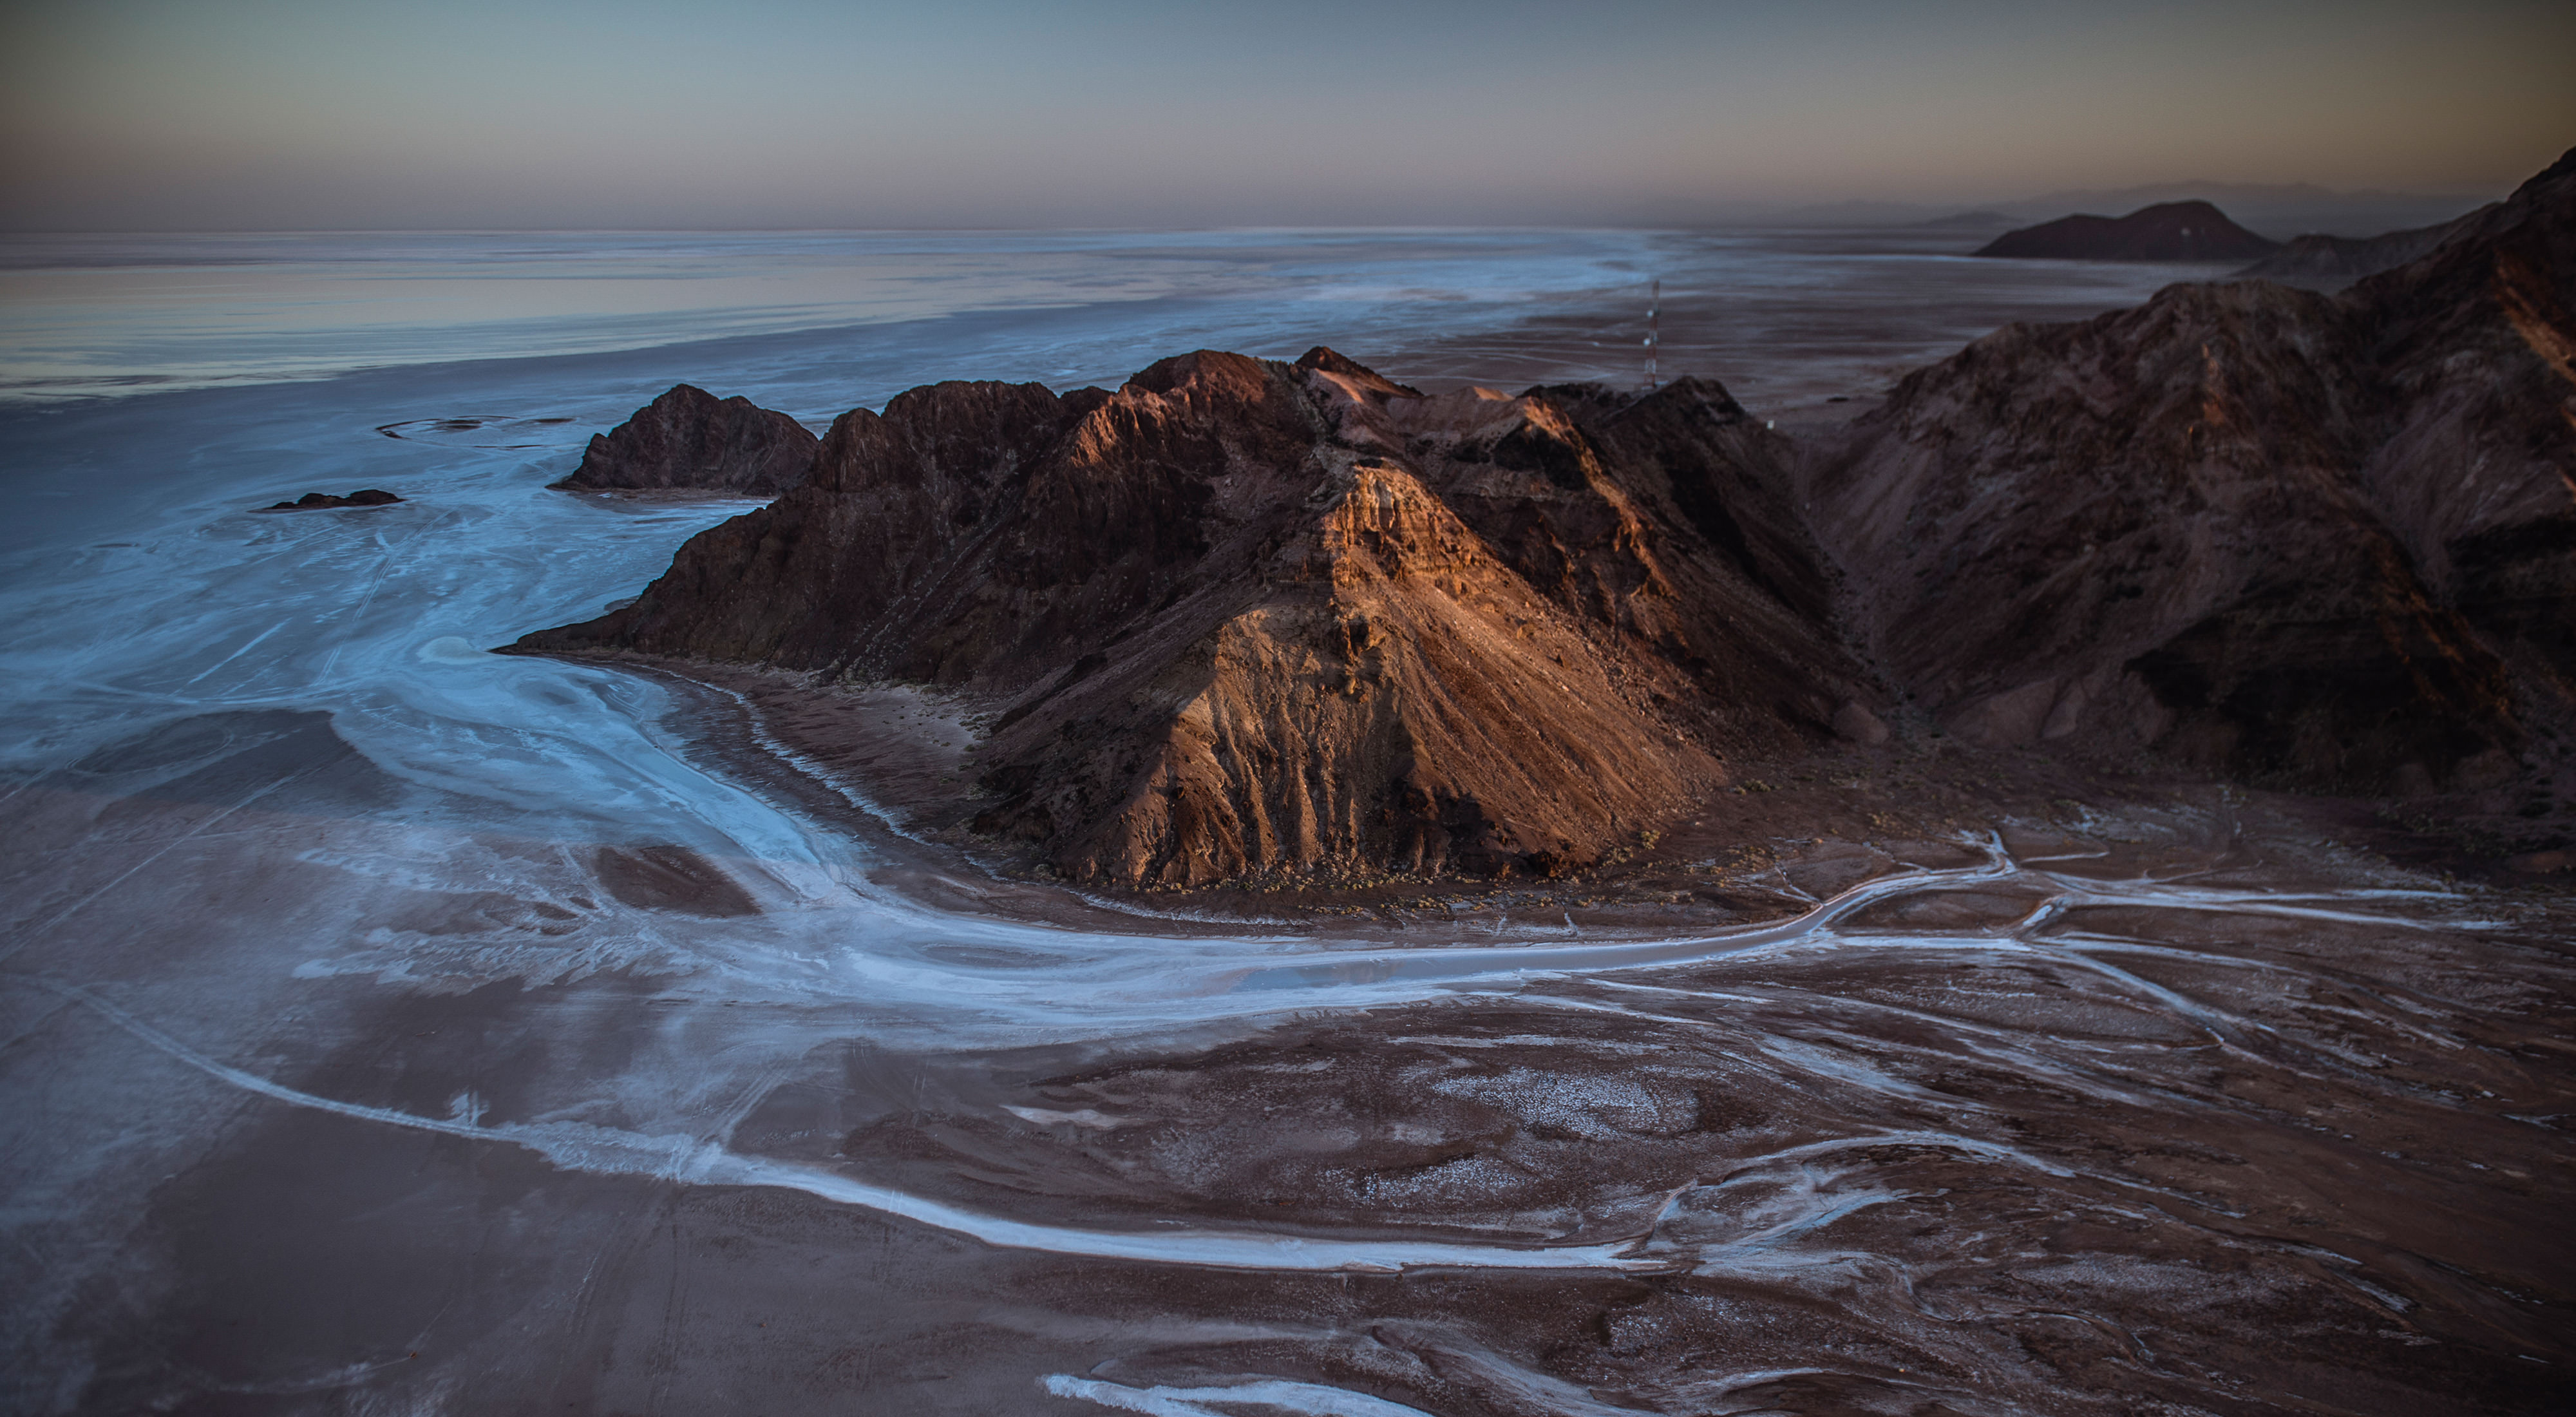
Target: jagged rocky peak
[[1241, 616], [690, 440], [1355, 378], [2324, 539], [1391, 692], [2168, 231]]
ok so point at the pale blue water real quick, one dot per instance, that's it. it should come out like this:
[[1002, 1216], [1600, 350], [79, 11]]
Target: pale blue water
[[88, 317], [103, 316]]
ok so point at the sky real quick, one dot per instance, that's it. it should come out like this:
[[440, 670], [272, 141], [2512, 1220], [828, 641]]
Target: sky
[[678, 114]]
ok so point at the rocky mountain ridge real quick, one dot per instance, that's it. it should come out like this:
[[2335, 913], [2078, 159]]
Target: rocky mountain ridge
[[2321, 540], [1241, 617], [2331, 262]]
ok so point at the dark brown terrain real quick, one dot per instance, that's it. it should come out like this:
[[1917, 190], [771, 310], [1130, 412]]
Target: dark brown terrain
[[689, 440], [1243, 621], [2167, 231], [2324, 542]]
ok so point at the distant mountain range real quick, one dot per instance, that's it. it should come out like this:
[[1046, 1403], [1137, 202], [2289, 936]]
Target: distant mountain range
[[2276, 210]]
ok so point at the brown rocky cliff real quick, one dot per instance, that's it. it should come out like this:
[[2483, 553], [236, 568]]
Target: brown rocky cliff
[[1668, 521], [689, 440], [1240, 616]]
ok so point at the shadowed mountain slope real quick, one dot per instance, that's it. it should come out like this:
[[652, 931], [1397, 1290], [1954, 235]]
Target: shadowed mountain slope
[[2326, 539], [2472, 350]]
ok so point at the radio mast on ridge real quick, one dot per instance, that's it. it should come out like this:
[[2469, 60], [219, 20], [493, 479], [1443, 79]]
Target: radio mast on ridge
[[1654, 332]]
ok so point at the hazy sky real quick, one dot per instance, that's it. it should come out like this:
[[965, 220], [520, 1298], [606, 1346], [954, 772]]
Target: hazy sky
[[227, 114]]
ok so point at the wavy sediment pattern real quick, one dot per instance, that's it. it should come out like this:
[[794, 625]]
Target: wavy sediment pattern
[[2107, 1131]]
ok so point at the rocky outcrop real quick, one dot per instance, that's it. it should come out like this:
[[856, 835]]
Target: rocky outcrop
[[689, 440], [2330, 540], [317, 501], [1240, 616], [2168, 231], [2332, 262]]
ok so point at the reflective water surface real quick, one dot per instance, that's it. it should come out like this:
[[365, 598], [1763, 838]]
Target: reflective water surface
[[93, 316]]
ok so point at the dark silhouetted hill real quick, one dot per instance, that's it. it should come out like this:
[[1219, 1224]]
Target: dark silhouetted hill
[[2172, 231]]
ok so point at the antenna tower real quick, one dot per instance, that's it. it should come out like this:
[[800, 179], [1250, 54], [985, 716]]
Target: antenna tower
[[1654, 330]]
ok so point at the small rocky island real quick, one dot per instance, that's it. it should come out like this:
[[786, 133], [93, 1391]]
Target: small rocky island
[[1242, 620], [322, 501]]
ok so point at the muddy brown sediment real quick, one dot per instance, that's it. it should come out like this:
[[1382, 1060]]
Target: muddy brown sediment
[[1894, 1159], [2197, 1122], [665, 877]]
